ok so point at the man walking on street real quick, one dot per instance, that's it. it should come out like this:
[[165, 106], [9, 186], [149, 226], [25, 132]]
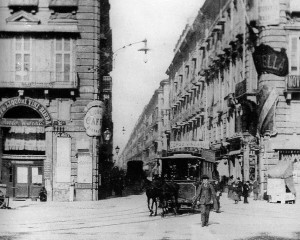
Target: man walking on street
[[218, 191], [246, 188], [207, 197]]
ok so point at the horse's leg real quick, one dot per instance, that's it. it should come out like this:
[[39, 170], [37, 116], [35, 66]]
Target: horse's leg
[[155, 207], [153, 200], [148, 200]]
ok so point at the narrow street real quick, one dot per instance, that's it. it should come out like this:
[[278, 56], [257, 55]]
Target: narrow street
[[128, 218]]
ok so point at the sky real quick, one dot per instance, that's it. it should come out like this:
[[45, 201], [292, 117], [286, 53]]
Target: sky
[[161, 22]]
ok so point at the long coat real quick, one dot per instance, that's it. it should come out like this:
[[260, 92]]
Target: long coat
[[207, 194]]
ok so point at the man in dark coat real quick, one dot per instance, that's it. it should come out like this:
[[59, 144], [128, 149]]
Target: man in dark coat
[[239, 188], [246, 188], [218, 190], [206, 198]]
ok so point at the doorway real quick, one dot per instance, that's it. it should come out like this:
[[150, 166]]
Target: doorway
[[28, 180]]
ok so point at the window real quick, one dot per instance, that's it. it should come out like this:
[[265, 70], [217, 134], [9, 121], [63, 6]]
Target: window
[[22, 58], [63, 59]]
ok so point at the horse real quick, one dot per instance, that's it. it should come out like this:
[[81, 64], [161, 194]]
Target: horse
[[153, 192], [169, 197]]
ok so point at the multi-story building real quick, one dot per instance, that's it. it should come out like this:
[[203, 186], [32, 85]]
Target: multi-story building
[[148, 140], [234, 86], [51, 108]]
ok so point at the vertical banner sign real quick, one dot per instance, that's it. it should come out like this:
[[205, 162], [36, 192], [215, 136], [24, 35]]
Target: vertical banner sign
[[268, 12], [63, 160], [85, 168]]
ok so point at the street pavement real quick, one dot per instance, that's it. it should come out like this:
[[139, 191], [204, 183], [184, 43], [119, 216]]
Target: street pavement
[[128, 218]]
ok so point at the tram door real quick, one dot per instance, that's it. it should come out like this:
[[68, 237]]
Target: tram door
[[28, 181]]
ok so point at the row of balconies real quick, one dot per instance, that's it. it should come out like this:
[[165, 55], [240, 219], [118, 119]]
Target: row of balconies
[[35, 3]]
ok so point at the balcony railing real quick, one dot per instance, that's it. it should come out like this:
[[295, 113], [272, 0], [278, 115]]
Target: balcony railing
[[37, 80], [63, 3]]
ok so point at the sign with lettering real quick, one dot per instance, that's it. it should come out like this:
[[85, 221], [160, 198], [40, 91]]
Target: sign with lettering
[[240, 88], [21, 122], [267, 60], [189, 144], [268, 12], [27, 102], [293, 83], [93, 118]]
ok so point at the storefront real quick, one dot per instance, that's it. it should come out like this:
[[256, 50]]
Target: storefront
[[23, 146]]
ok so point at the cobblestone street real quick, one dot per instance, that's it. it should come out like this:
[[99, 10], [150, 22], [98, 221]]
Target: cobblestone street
[[128, 218]]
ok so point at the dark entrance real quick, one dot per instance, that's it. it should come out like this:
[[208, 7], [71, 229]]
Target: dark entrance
[[134, 171]]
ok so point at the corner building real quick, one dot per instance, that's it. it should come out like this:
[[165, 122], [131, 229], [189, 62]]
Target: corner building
[[234, 92], [49, 67]]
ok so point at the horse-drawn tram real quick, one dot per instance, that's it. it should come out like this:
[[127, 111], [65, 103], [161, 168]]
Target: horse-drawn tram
[[185, 170]]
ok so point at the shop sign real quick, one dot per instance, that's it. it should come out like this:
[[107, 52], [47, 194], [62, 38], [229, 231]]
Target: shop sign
[[293, 83], [28, 102], [267, 60], [268, 12], [5, 122], [240, 88], [93, 118], [189, 144]]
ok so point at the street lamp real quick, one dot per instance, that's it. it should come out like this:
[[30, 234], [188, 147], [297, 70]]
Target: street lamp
[[117, 150], [107, 135], [145, 49]]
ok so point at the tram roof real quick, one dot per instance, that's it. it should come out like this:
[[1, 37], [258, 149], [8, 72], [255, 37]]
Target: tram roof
[[181, 156]]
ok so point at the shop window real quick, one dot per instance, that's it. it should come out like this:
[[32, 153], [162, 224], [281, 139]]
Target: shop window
[[22, 58], [63, 50]]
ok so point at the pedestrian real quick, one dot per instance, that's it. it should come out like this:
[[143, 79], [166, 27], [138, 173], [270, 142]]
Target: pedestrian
[[206, 198], [235, 195], [218, 190], [240, 188], [255, 187], [246, 188], [230, 189]]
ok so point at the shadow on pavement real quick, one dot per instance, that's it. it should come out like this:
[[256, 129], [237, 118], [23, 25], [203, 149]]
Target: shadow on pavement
[[265, 236]]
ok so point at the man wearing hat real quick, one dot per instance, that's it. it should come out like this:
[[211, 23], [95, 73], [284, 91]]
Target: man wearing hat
[[206, 198]]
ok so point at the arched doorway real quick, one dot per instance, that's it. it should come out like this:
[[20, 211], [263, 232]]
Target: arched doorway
[[23, 151]]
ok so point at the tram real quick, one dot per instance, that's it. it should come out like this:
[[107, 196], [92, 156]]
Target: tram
[[186, 170]]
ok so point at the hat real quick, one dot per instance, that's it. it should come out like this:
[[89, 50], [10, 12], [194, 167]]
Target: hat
[[204, 177], [238, 178]]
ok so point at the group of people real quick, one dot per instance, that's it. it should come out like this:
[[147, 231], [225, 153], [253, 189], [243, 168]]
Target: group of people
[[210, 192], [237, 189]]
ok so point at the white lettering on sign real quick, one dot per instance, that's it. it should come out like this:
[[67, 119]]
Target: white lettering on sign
[[293, 82], [93, 121], [269, 12]]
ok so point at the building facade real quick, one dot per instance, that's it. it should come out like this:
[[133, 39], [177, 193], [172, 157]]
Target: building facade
[[234, 88], [51, 98], [148, 140], [234, 92]]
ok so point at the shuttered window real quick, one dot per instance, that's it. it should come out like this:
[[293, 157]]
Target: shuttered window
[[22, 58], [63, 59]]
